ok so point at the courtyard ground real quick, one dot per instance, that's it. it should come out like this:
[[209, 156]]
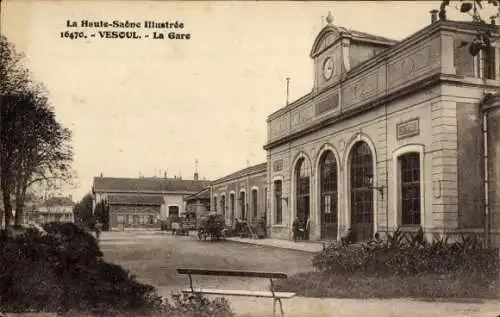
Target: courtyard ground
[[154, 257]]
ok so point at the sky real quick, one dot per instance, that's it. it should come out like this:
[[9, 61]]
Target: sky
[[150, 106]]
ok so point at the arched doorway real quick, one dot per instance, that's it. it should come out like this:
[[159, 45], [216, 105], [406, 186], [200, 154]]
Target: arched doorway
[[243, 203], [231, 206], [302, 190], [328, 179], [361, 191]]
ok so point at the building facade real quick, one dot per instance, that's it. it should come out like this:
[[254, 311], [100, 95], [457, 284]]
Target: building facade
[[143, 202], [241, 195], [199, 203], [53, 209], [393, 134]]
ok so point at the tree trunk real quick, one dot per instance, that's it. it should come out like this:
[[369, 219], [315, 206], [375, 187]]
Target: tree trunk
[[7, 207], [18, 220], [6, 195]]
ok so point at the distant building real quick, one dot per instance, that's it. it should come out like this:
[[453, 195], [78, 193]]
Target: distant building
[[198, 203], [241, 194], [53, 209], [144, 202]]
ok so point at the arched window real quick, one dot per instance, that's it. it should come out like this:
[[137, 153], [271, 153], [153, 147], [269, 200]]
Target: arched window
[[409, 165], [302, 186], [231, 206], [243, 205], [278, 203], [361, 191], [223, 204], [328, 195], [254, 203]]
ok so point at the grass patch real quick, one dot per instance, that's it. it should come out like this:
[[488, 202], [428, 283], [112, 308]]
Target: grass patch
[[421, 286]]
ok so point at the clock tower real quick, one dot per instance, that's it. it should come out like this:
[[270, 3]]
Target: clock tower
[[336, 50]]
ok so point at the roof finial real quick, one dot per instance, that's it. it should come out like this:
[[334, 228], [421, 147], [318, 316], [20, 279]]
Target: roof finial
[[329, 18]]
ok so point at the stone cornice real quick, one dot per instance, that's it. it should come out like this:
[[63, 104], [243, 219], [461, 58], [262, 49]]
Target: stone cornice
[[411, 89], [424, 34], [426, 82]]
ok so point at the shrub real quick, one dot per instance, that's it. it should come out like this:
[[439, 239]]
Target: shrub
[[63, 271], [196, 305], [405, 254]]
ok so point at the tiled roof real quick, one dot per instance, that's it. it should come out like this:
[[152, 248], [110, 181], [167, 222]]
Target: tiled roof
[[255, 169], [371, 36], [203, 194], [148, 200], [147, 184]]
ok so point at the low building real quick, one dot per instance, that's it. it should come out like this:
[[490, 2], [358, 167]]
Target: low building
[[144, 202], [393, 134], [199, 203], [53, 209], [241, 194]]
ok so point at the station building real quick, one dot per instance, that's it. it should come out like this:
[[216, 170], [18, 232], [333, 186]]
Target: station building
[[393, 134], [144, 202], [241, 195]]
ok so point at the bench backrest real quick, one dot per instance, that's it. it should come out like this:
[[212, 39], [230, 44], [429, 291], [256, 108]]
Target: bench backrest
[[232, 273]]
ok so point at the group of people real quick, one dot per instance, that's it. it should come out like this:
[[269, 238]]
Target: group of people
[[300, 228]]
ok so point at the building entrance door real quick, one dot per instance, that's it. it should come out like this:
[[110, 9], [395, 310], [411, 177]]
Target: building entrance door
[[361, 192], [328, 196], [303, 184], [231, 206]]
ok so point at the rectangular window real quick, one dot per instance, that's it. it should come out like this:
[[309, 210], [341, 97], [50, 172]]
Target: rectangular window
[[410, 188], [278, 203], [484, 64]]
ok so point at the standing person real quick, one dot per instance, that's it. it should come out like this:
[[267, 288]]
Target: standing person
[[237, 227], [296, 228], [97, 231]]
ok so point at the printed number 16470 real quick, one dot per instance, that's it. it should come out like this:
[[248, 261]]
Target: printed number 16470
[[72, 35]]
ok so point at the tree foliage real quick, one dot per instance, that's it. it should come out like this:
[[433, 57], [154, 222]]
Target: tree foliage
[[82, 210], [482, 41], [35, 147]]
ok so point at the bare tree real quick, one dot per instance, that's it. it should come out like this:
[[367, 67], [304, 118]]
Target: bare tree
[[35, 147]]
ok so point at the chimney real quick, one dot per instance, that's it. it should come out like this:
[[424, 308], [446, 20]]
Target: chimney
[[434, 16], [164, 174], [101, 174], [195, 170]]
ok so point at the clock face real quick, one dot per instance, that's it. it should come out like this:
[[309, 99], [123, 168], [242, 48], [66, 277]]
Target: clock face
[[328, 68]]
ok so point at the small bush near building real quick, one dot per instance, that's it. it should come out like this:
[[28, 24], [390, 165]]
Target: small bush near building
[[62, 271], [402, 265], [404, 254]]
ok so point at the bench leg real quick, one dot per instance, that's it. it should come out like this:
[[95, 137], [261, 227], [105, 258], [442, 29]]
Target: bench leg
[[281, 307]]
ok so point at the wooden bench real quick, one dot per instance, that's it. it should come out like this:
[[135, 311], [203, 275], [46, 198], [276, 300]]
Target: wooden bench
[[276, 296]]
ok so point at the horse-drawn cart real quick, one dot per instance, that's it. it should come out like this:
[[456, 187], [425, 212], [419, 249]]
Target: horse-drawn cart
[[211, 226]]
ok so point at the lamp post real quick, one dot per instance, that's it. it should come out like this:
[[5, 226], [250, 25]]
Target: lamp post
[[369, 185]]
